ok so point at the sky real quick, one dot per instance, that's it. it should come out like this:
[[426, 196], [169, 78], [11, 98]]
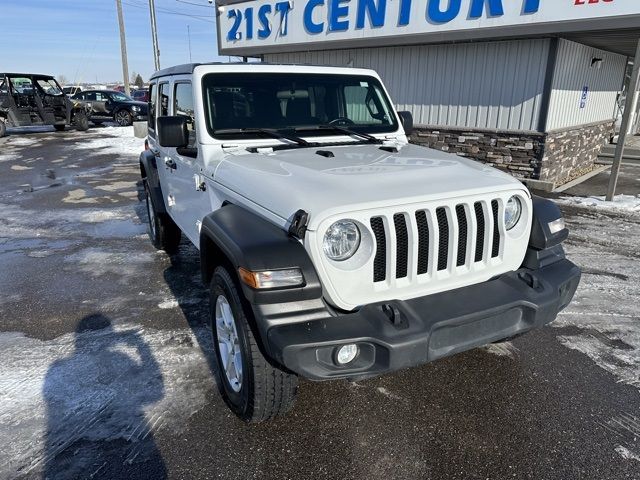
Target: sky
[[79, 38]]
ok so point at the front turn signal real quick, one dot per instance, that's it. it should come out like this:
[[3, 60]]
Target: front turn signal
[[286, 278]]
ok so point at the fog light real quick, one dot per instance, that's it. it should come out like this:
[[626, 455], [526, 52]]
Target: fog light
[[347, 353]]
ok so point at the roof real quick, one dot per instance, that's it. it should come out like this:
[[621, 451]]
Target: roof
[[622, 41], [188, 68], [13, 74], [103, 90]]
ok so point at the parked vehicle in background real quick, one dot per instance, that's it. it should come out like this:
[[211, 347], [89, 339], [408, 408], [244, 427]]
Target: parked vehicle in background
[[71, 91], [332, 247], [141, 95], [109, 105], [29, 100]]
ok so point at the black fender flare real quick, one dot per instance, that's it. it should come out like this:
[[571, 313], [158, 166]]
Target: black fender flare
[[545, 246], [149, 173], [544, 212], [235, 237]]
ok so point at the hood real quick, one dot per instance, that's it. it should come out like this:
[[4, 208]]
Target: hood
[[142, 105], [356, 177]]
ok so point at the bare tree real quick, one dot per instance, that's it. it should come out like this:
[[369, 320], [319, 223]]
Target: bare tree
[[62, 80]]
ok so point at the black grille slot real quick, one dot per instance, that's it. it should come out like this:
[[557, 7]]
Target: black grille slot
[[481, 226], [402, 245], [495, 248], [462, 235], [380, 260], [443, 238], [423, 242]]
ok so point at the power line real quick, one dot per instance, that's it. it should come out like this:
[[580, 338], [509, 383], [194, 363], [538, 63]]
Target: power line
[[202, 18], [195, 4]]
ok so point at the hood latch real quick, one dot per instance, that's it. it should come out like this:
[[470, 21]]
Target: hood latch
[[298, 225]]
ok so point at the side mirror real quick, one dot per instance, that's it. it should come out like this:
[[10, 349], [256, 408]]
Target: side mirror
[[407, 122], [172, 132]]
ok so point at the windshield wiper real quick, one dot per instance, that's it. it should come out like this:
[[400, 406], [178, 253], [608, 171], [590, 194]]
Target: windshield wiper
[[347, 131], [272, 133]]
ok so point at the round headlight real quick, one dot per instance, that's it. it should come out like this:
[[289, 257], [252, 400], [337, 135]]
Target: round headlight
[[512, 212], [341, 240], [135, 108]]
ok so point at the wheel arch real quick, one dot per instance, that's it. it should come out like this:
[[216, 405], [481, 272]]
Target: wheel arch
[[235, 237], [149, 174]]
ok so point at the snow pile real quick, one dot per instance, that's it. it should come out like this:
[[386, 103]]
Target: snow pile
[[628, 203], [116, 140]]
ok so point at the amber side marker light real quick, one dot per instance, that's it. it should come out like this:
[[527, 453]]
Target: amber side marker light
[[286, 278]]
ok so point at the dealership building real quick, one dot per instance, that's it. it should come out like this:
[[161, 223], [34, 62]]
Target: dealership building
[[530, 86]]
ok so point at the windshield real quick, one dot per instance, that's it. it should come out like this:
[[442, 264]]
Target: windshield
[[49, 86], [119, 97], [285, 101]]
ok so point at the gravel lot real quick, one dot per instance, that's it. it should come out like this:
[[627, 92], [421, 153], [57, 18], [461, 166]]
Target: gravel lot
[[107, 371]]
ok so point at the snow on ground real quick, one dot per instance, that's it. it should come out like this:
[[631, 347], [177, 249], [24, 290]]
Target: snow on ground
[[116, 222], [627, 454], [124, 144], [604, 313], [620, 202], [603, 321], [9, 157], [100, 383]]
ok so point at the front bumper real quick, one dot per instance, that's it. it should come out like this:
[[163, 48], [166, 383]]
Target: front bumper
[[399, 334]]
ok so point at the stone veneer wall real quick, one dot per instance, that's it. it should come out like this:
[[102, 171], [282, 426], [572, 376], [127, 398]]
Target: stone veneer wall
[[570, 153], [555, 158], [518, 153]]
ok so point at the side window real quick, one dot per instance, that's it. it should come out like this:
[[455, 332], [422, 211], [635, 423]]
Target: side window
[[91, 96], [151, 121], [183, 106], [163, 100]]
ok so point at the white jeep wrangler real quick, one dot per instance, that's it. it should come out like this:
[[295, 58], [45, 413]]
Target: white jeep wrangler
[[334, 248]]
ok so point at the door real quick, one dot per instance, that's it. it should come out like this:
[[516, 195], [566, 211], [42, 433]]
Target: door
[[25, 112], [183, 173], [100, 104]]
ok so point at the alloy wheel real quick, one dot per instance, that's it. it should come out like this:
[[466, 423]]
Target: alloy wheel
[[228, 343]]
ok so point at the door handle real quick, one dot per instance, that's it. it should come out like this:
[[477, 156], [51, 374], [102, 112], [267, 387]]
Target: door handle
[[170, 163]]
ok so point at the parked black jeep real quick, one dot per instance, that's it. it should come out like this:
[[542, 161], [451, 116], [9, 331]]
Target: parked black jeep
[[108, 105], [28, 100]]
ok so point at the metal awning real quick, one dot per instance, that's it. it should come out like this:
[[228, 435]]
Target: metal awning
[[622, 41]]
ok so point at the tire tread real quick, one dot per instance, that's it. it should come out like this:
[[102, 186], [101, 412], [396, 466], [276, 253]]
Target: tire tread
[[273, 390]]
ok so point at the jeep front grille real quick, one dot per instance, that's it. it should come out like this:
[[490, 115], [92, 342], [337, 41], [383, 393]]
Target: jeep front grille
[[447, 239]]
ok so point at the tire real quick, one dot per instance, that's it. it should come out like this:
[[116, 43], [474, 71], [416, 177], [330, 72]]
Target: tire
[[262, 391], [123, 118], [3, 128], [59, 128], [81, 121], [163, 232]]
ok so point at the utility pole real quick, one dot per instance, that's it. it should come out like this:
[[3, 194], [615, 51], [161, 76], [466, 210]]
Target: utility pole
[[123, 49], [189, 35], [626, 118], [154, 34]]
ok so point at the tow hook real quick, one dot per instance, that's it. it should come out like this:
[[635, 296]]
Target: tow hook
[[395, 316], [530, 280]]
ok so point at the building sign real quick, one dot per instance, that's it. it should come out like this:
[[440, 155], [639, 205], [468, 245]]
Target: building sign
[[282, 24], [584, 97]]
